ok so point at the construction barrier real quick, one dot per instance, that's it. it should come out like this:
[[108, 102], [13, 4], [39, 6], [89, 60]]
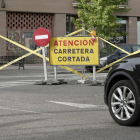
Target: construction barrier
[[10, 63], [37, 54], [74, 51], [64, 67]]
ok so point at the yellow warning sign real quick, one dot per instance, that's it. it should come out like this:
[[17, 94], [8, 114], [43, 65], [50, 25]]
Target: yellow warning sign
[[74, 51]]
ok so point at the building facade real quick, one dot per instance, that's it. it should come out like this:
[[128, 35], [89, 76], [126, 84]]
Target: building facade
[[19, 19]]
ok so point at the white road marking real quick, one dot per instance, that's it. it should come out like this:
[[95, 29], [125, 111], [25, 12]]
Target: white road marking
[[14, 83], [29, 80], [102, 76], [17, 82], [5, 108], [41, 37], [76, 104], [21, 82], [42, 75], [21, 76]]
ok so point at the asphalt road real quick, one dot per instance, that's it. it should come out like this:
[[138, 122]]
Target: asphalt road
[[55, 112]]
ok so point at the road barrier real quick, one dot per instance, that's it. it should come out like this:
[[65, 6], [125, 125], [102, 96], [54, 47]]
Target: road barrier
[[35, 52], [74, 51], [10, 63]]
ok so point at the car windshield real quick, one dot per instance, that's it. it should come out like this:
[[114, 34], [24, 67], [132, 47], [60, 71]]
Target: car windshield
[[126, 48], [136, 48]]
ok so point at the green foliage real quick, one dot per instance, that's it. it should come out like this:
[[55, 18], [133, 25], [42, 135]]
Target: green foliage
[[99, 15], [108, 49]]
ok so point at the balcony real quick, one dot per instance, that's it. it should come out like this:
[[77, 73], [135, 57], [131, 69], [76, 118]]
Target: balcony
[[74, 4], [123, 6]]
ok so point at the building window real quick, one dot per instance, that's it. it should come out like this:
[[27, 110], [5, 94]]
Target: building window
[[123, 23], [120, 39], [69, 24], [138, 32]]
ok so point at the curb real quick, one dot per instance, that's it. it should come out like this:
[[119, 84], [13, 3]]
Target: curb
[[71, 82]]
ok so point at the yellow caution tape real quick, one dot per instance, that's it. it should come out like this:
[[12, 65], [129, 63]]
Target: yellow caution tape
[[33, 52], [23, 47], [115, 61], [107, 66], [112, 44], [75, 32], [115, 46], [87, 31], [72, 70], [10, 63], [67, 68]]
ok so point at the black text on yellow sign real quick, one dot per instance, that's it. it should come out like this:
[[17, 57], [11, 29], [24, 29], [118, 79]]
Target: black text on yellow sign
[[74, 51]]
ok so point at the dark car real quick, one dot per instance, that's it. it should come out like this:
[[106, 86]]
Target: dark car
[[115, 56], [122, 90]]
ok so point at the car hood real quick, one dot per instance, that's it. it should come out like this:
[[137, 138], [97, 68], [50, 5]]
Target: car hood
[[103, 58]]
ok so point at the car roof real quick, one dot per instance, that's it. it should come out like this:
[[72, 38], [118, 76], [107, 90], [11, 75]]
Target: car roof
[[130, 44]]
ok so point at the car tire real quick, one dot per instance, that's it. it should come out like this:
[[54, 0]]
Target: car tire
[[123, 103]]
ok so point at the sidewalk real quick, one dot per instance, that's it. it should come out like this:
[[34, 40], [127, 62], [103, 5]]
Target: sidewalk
[[40, 67]]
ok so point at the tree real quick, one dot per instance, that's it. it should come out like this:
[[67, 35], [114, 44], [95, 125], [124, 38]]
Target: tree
[[99, 15]]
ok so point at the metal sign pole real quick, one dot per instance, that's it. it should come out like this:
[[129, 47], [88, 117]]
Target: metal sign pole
[[55, 72], [94, 78], [83, 34], [83, 71], [44, 63]]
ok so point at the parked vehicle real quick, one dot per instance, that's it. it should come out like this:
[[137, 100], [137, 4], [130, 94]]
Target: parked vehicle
[[122, 90], [115, 56]]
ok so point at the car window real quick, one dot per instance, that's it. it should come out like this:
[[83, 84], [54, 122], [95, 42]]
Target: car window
[[126, 48], [135, 48]]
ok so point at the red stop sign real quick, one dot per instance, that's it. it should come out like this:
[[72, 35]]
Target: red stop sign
[[41, 37]]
